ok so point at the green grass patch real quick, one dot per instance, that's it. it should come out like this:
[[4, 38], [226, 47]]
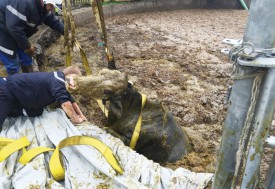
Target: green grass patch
[[113, 3]]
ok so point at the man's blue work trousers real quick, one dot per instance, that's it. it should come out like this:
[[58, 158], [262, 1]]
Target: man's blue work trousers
[[13, 64]]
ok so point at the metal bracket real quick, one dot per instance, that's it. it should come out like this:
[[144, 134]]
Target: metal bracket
[[264, 58], [225, 51], [231, 42], [264, 62]]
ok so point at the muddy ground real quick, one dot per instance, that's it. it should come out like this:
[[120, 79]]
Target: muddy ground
[[174, 57]]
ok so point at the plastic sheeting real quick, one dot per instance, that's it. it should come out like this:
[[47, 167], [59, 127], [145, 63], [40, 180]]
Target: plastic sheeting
[[85, 167]]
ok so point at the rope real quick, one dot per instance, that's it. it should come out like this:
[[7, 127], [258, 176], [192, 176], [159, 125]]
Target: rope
[[245, 136]]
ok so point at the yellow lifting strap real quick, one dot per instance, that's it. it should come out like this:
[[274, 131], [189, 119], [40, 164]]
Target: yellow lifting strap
[[99, 17], [102, 107], [56, 167], [84, 58], [32, 153], [4, 142], [70, 40], [9, 146], [136, 132], [66, 35]]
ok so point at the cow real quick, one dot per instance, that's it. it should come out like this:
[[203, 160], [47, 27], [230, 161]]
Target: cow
[[160, 138]]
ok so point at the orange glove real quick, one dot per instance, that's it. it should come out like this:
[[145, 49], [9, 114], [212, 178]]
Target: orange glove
[[30, 51]]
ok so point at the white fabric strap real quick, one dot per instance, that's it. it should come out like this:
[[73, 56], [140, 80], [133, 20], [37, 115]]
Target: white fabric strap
[[16, 13]]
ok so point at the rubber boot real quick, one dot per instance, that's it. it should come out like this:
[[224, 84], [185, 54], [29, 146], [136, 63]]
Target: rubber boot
[[27, 68]]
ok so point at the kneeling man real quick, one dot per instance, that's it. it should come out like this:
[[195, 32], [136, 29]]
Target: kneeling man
[[34, 91]]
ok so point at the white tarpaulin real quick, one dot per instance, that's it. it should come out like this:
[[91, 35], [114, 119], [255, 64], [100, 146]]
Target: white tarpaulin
[[85, 167]]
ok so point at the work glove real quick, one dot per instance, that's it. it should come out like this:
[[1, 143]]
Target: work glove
[[30, 51]]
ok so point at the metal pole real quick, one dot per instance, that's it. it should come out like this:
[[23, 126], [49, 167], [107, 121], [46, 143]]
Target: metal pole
[[236, 116], [262, 122], [259, 31], [261, 24]]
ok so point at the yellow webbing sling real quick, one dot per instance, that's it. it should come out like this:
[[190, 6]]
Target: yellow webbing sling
[[32, 153], [56, 166], [70, 40], [102, 107], [55, 163], [9, 146], [136, 132]]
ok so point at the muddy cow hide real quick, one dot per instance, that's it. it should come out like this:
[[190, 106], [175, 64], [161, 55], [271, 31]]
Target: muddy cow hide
[[161, 139]]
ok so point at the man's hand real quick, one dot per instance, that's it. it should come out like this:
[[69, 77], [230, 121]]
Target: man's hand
[[71, 113], [30, 51], [78, 111]]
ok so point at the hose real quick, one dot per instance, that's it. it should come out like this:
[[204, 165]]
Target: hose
[[244, 4]]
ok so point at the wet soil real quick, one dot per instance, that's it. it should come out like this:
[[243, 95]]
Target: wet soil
[[174, 57]]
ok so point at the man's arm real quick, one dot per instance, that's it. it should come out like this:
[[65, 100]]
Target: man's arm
[[68, 104], [78, 111], [54, 23], [71, 113]]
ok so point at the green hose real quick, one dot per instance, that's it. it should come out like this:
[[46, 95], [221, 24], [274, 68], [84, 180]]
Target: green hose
[[243, 4]]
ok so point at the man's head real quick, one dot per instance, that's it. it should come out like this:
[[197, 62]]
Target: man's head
[[49, 6], [71, 72]]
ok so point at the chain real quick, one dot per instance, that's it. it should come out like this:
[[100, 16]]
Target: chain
[[249, 49]]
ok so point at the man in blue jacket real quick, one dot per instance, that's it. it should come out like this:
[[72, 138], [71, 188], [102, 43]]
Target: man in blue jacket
[[19, 20], [34, 91]]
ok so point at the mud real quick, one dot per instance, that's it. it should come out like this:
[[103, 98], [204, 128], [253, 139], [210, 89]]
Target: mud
[[174, 57]]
